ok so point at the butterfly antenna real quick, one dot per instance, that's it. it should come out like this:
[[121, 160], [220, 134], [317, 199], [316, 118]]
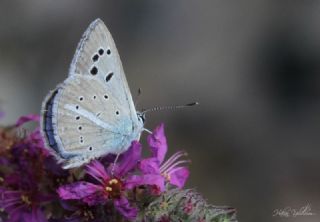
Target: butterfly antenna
[[158, 108], [139, 93]]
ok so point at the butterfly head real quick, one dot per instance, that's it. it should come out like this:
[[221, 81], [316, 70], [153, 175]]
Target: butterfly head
[[141, 117]]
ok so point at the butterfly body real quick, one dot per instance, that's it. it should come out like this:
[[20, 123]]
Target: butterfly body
[[91, 113]]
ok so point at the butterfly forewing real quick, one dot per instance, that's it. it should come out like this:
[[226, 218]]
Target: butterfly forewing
[[97, 55]]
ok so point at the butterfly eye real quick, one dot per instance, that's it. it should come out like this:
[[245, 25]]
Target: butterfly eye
[[94, 97], [78, 117], [117, 113], [80, 128], [90, 148], [141, 117], [108, 52], [106, 96], [81, 98]]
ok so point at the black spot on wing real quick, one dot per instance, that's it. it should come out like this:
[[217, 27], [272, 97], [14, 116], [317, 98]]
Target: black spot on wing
[[95, 57], [101, 51], [109, 76], [94, 70]]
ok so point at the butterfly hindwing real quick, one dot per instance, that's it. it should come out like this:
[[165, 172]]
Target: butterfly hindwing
[[87, 120]]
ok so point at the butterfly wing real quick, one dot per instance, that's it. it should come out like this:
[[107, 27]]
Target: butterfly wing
[[84, 120], [92, 112], [97, 55]]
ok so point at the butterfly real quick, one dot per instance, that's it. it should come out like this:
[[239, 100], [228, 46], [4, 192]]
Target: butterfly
[[91, 113]]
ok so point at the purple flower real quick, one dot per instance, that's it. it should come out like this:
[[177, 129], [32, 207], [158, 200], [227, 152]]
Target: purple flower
[[171, 170], [29, 155], [22, 206], [33, 142], [26, 187], [30, 176], [108, 186], [114, 183]]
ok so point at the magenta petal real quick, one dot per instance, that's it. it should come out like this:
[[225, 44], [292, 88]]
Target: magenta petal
[[146, 179], [78, 190], [123, 206], [158, 143], [179, 176], [97, 171], [18, 216], [94, 199], [150, 166], [10, 201], [24, 119], [129, 159]]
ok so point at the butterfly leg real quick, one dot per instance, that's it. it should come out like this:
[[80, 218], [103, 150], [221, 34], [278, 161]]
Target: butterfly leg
[[148, 131], [114, 163]]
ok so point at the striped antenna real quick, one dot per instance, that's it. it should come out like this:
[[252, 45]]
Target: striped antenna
[[158, 108]]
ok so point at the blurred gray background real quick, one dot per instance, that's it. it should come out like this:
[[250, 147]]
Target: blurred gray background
[[253, 66]]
